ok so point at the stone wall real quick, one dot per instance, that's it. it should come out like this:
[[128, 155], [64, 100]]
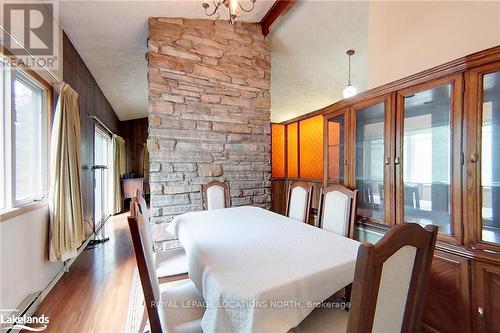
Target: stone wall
[[209, 118]]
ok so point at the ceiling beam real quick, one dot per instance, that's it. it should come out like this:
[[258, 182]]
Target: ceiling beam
[[280, 8]]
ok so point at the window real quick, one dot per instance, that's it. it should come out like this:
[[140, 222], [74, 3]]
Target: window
[[24, 138], [103, 180], [3, 105]]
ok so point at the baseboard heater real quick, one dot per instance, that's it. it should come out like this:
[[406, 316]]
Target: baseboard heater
[[30, 304], [27, 308]]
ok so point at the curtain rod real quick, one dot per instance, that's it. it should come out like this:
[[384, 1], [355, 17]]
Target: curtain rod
[[91, 116]]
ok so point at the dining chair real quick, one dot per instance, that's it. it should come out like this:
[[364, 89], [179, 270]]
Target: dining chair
[[337, 210], [298, 203], [171, 264], [178, 307], [215, 195], [389, 287]]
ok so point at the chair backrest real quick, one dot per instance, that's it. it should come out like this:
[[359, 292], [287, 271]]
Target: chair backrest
[[215, 195], [390, 280], [298, 204], [337, 210], [143, 206], [144, 254]]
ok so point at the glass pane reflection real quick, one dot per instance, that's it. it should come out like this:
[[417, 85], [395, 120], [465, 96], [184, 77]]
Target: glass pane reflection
[[427, 158], [370, 161], [490, 158], [336, 150]]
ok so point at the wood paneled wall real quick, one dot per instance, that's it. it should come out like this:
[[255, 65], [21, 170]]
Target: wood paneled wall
[[135, 134], [91, 101]]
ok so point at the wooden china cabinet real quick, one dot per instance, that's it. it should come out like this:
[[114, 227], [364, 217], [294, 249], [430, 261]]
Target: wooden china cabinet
[[426, 149]]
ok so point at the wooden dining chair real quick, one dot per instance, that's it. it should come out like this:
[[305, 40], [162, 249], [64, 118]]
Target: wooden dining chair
[[298, 203], [215, 195], [389, 287], [171, 264], [337, 210], [177, 308]]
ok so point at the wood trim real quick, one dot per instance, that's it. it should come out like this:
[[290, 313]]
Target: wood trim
[[286, 152], [368, 273], [279, 9], [325, 151], [205, 187], [350, 149], [308, 188], [298, 149], [352, 197], [390, 186]]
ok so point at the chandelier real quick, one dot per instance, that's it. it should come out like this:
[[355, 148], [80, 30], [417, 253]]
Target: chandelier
[[231, 5]]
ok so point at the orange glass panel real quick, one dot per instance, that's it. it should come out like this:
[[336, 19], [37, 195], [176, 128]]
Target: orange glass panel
[[278, 151], [336, 150], [311, 148], [333, 150], [292, 150]]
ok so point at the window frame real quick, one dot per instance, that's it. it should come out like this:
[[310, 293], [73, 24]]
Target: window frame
[[3, 92], [10, 73]]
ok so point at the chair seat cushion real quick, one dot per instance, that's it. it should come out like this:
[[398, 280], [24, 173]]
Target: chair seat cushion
[[324, 320], [171, 262], [183, 307]]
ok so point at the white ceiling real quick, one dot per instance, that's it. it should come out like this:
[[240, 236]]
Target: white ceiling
[[111, 39], [309, 61], [309, 64]]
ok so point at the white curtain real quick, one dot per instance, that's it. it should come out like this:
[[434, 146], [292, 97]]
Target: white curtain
[[65, 198], [118, 172]]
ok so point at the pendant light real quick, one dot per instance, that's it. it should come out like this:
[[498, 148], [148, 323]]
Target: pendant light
[[350, 90]]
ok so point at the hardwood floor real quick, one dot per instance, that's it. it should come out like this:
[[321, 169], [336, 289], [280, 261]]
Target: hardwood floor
[[94, 295]]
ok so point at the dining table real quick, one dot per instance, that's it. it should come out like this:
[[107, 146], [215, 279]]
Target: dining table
[[258, 271]]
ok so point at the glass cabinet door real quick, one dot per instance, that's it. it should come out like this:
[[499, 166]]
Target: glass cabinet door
[[335, 149], [490, 158], [426, 160], [371, 159]]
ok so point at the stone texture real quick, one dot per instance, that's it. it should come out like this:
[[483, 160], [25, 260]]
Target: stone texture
[[209, 170], [209, 118]]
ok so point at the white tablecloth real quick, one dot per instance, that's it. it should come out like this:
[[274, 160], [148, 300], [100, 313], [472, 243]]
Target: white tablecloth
[[258, 271]]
